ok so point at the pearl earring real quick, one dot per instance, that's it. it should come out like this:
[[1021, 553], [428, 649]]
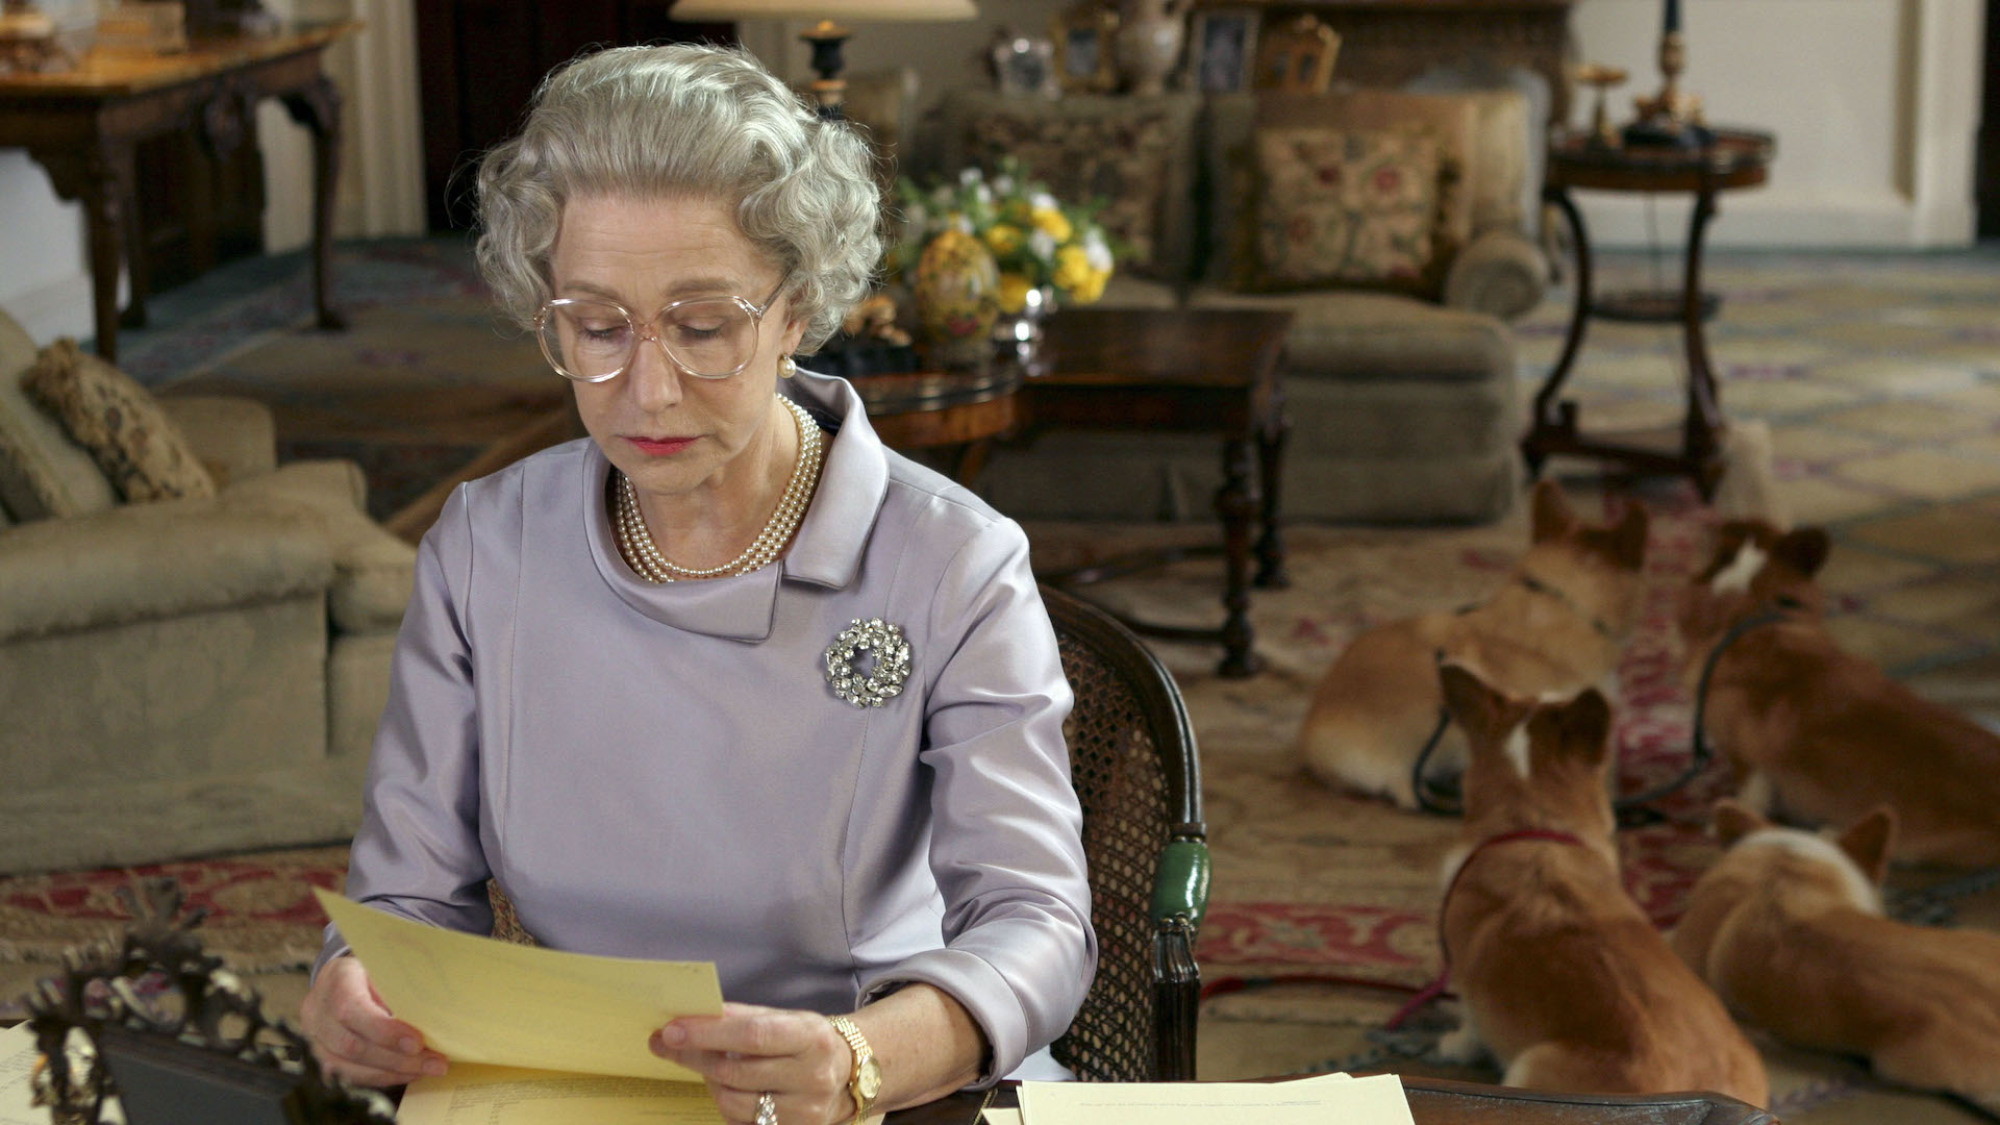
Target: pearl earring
[[787, 368]]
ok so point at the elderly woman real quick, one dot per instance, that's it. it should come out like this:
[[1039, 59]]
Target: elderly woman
[[614, 693]]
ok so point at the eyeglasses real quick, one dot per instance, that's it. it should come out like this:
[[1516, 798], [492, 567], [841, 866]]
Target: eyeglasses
[[591, 340]]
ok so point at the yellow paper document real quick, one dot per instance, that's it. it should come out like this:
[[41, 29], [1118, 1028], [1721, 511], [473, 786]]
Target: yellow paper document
[[478, 1000], [491, 1095], [1374, 1100]]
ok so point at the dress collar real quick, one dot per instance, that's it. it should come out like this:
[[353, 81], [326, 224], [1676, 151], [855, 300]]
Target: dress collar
[[826, 550]]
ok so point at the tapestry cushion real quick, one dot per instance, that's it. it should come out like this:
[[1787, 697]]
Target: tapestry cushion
[[139, 448], [1230, 157], [43, 474], [1133, 154], [1336, 206]]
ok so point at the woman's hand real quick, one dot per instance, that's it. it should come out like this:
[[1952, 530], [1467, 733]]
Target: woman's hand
[[354, 1036], [746, 1051]]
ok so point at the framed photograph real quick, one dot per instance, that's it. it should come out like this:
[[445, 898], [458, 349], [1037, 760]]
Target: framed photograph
[[1297, 56], [1223, 48], [1024, 66], [1083, 47]]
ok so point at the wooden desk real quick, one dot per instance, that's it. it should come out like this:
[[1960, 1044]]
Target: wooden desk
[[1203, 371], [83, 127], [1734, 159], [1436, 1102]]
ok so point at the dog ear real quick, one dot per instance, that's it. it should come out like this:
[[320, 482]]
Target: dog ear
[[1804, 550], [1735, 820], [1474, 705], [1868, 841], [1579, 729], [1627, 540], [1729, 540], [1553, 516]]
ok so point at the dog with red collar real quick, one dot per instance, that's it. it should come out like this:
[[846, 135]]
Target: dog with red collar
[[1815, 734], [1562, 977]]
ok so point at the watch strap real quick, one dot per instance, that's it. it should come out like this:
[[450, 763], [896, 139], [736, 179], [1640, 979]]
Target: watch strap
[[863, 1053]]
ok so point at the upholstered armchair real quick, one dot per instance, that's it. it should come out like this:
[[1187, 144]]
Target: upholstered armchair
[[1390, 223], [189, 675]]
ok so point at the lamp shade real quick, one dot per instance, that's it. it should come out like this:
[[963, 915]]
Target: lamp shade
[[855, 11]]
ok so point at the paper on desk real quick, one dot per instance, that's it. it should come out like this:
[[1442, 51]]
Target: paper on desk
[[1375, 1100], [478, 1000], [472, 1094], [18, 1055]]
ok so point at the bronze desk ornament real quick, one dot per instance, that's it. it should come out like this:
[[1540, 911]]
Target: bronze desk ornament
[[174, 1035]]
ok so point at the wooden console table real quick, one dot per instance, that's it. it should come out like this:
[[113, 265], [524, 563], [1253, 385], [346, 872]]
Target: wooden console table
[[83, 128]]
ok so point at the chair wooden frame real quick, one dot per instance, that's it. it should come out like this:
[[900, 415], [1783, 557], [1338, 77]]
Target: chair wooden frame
[[1154, 923]]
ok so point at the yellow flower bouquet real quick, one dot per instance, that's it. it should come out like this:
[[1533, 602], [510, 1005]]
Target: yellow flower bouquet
[[1037, 241]]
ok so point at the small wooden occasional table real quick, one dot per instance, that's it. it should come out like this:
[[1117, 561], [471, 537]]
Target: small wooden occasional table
[[1733, 159], [1203, 371], [84, 126], [961, 411]]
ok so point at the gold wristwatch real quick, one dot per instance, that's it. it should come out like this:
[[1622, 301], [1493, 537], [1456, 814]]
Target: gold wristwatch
[[865, 1084]]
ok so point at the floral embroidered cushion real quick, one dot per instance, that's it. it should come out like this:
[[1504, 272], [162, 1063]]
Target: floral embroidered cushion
[[106, 412], [1122, 161], [1343, 207]]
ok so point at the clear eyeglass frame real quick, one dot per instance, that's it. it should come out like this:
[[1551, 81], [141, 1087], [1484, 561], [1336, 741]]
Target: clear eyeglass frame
[[643, 331]]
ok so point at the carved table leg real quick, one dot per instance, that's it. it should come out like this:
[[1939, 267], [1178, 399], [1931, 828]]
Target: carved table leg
[[1554, 420], [1271, 439], [1701, 436], [1236, 504], [317, 107], [102, 179]]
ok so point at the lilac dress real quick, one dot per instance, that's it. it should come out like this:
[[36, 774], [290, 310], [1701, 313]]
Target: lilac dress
[[664, 771]]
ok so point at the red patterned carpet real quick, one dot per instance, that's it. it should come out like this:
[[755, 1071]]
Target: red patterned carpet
[[261, 913]]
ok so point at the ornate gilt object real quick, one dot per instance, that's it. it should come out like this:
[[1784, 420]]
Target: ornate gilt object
[[173, 1020]]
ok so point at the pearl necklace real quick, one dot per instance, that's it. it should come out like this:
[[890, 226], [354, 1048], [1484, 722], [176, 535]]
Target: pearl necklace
[[642, 554]]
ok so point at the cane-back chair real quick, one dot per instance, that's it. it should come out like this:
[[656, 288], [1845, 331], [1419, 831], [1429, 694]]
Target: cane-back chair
[[1133, 763]]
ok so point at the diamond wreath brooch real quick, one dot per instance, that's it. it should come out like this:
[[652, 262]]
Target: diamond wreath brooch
[[892, 662]]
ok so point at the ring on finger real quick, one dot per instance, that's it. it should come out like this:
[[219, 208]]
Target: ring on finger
[[767, 1108]]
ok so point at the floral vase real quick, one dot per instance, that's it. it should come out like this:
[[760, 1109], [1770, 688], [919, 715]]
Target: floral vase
[[1150, 35], [1018, 336], [957, 290]]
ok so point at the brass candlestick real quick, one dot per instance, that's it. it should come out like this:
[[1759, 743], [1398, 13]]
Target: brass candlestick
[[1672, 116], [1602, 79]]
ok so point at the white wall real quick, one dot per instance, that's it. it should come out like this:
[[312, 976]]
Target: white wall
[[1875, 104], [44, 248]]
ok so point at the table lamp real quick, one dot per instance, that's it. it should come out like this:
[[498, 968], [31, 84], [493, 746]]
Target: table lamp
[[827, 34], [1671, 118]]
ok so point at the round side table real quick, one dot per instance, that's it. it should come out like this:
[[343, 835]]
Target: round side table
[[1733, 159], [959, 411]]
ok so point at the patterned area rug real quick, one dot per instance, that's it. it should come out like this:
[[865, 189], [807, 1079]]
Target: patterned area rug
[[260, 910]]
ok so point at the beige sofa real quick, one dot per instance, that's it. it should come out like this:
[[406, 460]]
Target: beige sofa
[[185, 676], [1402, 396]]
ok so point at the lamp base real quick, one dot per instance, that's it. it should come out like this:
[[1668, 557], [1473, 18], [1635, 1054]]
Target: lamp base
[[829, 89]]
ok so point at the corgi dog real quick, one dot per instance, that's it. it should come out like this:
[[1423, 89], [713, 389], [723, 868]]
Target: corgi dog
[[1817, 735], [1788, 928], [1563, 978], [1558, 625]]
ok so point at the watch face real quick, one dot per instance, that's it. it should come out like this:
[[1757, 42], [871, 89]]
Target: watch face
[[870, 1079]]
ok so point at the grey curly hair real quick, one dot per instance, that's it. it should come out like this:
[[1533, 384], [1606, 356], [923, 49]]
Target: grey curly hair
[[685, 120]]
